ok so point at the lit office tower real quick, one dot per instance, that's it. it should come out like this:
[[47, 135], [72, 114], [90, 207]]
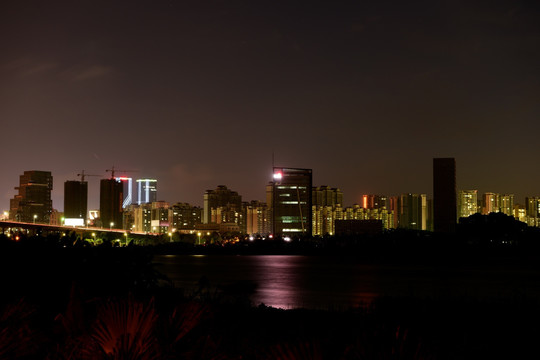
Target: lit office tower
[[290, 201], [412, 211], [75, 201], [110, 203], [444, 194], [146, 191], [222, 198], [467, 203], [490, 202], [33, 202]]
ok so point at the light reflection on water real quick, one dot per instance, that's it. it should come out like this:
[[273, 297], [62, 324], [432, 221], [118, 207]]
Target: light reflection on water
[[283, 281], [289, 281]]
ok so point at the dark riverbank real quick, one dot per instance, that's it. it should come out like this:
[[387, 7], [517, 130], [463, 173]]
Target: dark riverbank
[[68, 300], [167, 325]]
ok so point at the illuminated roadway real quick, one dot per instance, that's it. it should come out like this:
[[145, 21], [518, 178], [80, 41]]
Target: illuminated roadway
[[4, 225]]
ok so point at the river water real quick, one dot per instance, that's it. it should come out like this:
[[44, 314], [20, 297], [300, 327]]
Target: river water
[[323, 282]]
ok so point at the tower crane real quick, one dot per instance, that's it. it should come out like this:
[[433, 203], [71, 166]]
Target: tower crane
[[83, 175], [128, 198], [112, 170]]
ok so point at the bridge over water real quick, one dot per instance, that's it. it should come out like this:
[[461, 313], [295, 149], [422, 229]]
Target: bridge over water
[[15, 227]]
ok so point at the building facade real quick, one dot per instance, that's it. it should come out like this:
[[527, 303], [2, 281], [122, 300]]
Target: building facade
[[33, 202], [444, 195], [327, 196], [185, 216], [532, 210], [146, 191], [111, 198], [257, 218], [221, 197], [490, 203], [467, 203], [413, 211], [290, 201], [375, 202], [76, 200]]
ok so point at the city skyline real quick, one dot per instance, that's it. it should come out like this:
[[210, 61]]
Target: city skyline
[[197, 95], [94, 195]]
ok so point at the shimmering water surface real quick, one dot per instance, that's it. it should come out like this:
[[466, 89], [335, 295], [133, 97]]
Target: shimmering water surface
[[289, 281]]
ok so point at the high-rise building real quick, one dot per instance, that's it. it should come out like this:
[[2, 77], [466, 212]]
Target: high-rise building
[[507, 204], [185, 216], [111, 198], [444, 194], [325, 201], [290, 201], [257, 218], [142, 217], [375, 202], [532, 209], [220, 197], [229, 214], [33, 202], [467, 203], [520, 213], [413, 211], [146, 191], [160, 217], [327, 196], [75, 202], [127, 190], [490, 203]]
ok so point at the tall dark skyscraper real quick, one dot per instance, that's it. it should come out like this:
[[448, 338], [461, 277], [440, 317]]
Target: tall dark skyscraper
[[444, 194], [75, 200], [110, 203], [33, 202], [289, 197]]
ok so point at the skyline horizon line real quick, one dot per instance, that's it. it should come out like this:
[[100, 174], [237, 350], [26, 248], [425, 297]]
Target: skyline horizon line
[[60, 194]]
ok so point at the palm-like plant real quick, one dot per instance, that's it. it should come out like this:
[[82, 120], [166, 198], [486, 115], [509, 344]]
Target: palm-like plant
[[124, 329]]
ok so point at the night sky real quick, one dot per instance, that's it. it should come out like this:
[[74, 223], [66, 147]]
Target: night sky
[[201, 93]]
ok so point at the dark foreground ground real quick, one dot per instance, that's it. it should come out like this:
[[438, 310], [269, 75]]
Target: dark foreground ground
[[110, 303]]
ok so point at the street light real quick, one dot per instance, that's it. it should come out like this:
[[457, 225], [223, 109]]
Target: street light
[[35, 217], [126, 235], [199, 233], [170, 236], [112, 224]]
